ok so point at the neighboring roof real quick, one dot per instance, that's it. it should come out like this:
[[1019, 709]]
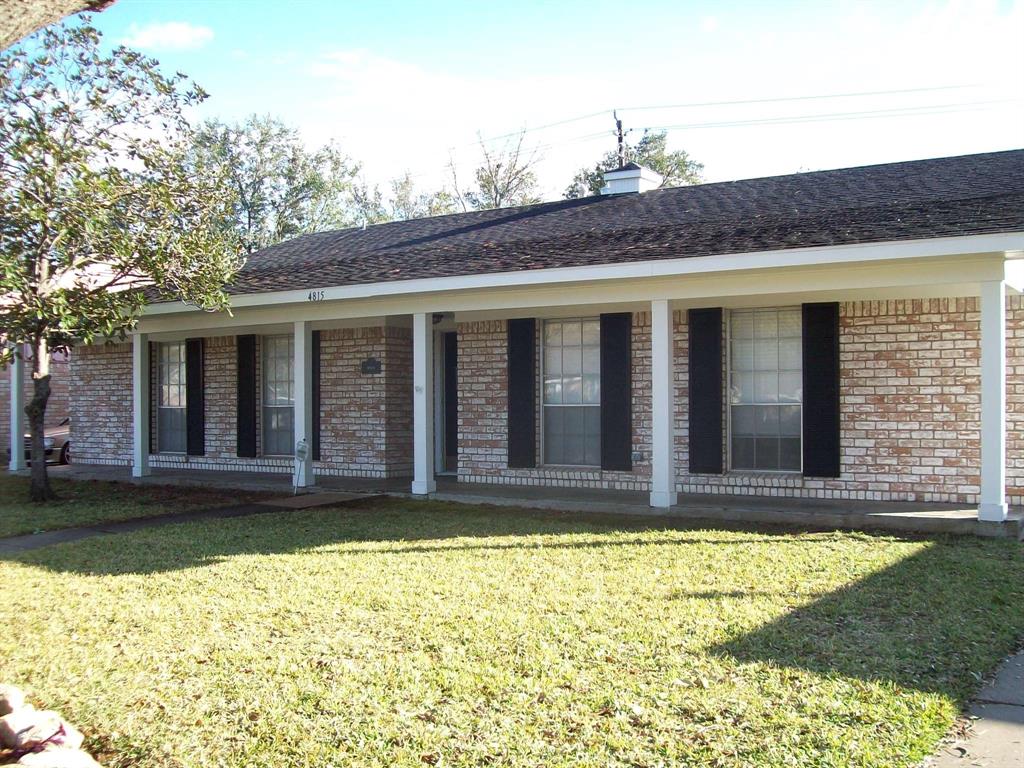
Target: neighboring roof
[[972, 194]]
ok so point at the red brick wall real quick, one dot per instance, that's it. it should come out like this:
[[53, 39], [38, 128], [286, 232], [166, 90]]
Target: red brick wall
[[483, 409], [101, 404], [366, 419]]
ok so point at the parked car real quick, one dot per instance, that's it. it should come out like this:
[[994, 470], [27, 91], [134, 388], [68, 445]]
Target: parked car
[[57, 443]]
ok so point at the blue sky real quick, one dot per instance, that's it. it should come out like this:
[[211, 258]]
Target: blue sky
[[402, 86]]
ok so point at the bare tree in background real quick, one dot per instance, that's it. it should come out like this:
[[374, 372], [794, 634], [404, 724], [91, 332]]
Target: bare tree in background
[[505, 178], [20, 18]]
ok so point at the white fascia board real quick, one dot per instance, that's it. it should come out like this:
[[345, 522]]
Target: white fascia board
[[756, 260]]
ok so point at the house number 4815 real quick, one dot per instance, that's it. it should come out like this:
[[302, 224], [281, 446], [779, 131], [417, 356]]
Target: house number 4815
[[316, 296]]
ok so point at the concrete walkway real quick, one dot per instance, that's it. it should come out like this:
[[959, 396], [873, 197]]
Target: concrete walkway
[[909, 517], [39, 540], [996, 735]]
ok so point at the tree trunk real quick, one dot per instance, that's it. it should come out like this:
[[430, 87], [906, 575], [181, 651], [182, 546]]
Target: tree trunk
[[40, 489]]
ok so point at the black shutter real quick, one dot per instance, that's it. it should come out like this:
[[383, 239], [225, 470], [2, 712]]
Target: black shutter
[[315, 364], [616, 391], [705, 408], [195, 410], [821, 389], [522, 393], [246, 424], [451, 394]]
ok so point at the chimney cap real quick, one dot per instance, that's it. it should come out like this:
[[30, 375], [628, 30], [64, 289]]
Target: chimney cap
[[630, 178]]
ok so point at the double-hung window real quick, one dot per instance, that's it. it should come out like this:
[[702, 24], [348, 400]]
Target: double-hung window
[[572, 392], [170, 427], [278, 395], [765, 389]]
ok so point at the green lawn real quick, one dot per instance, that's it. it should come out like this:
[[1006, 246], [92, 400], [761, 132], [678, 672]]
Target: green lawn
[[414, 633], [86, 502]]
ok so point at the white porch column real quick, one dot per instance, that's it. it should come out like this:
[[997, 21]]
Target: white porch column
[[140, 404], [993, 402], [17, 462], [663, 465], [423, 403], [303, 475]]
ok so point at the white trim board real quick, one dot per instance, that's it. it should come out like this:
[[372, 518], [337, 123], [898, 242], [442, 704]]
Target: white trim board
[[755, 260], [917, 278]]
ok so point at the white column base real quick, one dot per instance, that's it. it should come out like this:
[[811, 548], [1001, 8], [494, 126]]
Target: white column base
[[423, 404], [992, 513], [140, 405], [303, 475], [424, 487], [664, 499], [17, 399]]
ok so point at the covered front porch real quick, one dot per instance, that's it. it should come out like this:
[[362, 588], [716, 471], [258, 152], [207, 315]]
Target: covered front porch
[[904, 517], [931, 316]]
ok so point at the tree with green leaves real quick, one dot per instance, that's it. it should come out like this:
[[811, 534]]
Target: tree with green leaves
[[280, 188], [409, 203], [676, 167], [506, 177], [101, 204]]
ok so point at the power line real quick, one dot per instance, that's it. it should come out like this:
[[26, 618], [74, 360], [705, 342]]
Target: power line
[[833, 116], [779, 99]]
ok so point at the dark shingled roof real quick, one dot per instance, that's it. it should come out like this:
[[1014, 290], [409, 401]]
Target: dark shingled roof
[[969, 195]]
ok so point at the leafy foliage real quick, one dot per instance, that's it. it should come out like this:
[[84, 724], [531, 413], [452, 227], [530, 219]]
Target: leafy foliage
[[280, 189], [676, 168], [505, 178], [98, 198]]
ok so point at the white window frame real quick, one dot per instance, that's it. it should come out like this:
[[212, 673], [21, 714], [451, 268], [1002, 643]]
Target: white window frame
[[264, 382], [543, 405], [162, 368], [728, 399]]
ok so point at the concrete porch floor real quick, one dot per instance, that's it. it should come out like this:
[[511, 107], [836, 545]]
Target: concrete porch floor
[[814, 513]]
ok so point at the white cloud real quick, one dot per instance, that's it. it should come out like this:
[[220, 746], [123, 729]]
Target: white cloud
[[167, 36], [395, 114]]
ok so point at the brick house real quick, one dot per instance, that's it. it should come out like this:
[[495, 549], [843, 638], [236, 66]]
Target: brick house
[[850, 334], [57, 408]]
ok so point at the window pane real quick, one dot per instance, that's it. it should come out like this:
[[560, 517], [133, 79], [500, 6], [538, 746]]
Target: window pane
[[279, 435], [766, 420], [171, 430], [790, 323], [766, 325], [743, 453], [592, 427], [790, 354], [766, 356], [791, 387], [743, 420], [743, 355], [572, 333], [592, 389], [592, 332], [741, 325], [572, 389], [766, 453], [591, 359], [789, 420], [742, 390], [789, 454], [572, 363], [765, 371], [552, 334], [766, 387], [552, 390], [552, 361]]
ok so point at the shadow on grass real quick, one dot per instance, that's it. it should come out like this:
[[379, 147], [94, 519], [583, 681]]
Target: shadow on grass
[[196, 539], [937, 621]]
